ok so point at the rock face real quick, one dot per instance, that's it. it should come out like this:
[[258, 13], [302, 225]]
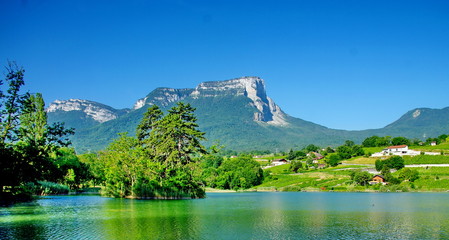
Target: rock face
[[251, 87], [98, 112]]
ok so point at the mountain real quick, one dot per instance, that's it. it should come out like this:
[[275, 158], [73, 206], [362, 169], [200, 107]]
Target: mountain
[[237, 113], [420, 123], [82, 113]]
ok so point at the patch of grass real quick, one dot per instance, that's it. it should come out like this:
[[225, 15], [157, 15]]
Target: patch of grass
[[360, 160], [308, 181], [426, 159], [281, 169], [428, 184], [437, 148], [433, 171]]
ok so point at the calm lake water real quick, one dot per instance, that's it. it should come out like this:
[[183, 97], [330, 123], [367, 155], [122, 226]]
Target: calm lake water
[[271, 215]]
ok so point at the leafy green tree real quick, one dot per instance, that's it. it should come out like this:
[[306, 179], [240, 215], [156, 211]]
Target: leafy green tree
[[311, 148], [12, 103], [400, 141], [96, 168], [443, 137], [378, 164], [291, 155], [349, 143], [123, 163], [361, 177], [383, 141], [69, 165], [330, 150], [334, 160], [344, 152], [295, 166], [371, 141], [394, 162]]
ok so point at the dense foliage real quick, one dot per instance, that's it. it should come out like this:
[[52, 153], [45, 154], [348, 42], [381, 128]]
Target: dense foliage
[[234, 173], [346, 151], [376, 141], [28, 145], [394, 162]]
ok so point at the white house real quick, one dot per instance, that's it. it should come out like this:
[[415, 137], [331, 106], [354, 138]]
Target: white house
[[400, 150], [278, 162]]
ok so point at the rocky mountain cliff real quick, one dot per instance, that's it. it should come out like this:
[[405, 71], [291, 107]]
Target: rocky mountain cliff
[[237, 113], [250, 87]]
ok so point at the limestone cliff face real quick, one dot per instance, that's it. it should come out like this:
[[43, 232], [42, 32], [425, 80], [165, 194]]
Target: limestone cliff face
[[163, 97], [251, 87], [99, 112]]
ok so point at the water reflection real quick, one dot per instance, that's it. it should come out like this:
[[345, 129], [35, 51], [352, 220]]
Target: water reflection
[[233, 216]]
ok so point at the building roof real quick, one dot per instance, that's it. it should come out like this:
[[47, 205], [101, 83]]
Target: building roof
[[279, 160], [399, 146]]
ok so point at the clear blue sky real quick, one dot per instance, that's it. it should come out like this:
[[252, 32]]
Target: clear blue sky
[[341, 64]]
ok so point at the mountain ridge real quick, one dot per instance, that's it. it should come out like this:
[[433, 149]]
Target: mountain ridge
[[236, 112]]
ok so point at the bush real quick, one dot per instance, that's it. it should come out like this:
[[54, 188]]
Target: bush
[[290, 189], [395, 162], [47, 188]]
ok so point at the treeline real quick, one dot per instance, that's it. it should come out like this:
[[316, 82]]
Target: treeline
[[31, 151], [376, 141]]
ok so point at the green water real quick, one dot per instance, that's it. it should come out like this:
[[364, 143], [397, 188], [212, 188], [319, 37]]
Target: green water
[[233, 216]]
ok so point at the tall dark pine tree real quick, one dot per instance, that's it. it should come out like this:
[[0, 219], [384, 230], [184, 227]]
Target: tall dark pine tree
[[172, 143]]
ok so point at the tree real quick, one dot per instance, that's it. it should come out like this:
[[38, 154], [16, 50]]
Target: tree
[[371, 141], [443, 137], [295, 165], [349, 143], [123, 163], [312, 148], [334, 160], [344, 152], [26, 140], [361, 177], [395, 162], [150, 118], [291, 155], [11, 104], [400, 141]]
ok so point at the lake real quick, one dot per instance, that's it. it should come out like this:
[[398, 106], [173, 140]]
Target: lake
[[257, 215]]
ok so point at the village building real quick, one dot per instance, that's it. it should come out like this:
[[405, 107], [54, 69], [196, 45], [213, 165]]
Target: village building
[[399, 150], [317, 157], [378, 179], [278, 162]]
